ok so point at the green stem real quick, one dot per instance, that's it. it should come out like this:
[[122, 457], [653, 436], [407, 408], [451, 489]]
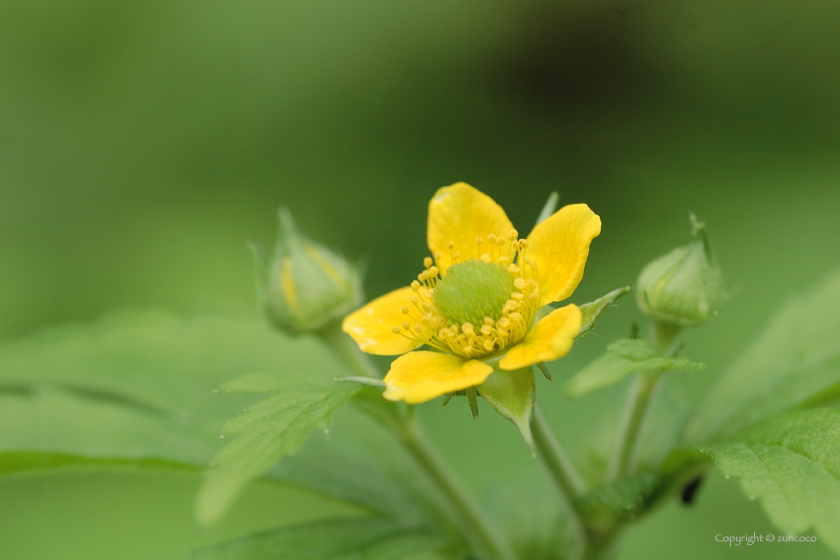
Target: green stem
[[622, 461], [627, 450], [476, 527], [562, 470], [345, 348], [555, 459]]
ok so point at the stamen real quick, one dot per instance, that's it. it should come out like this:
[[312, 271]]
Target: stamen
[[493, 334]]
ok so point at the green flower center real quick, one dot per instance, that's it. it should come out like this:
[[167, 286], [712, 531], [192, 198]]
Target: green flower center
[[473, 290]]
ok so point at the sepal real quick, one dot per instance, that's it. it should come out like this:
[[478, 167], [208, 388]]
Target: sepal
[[512, 394]]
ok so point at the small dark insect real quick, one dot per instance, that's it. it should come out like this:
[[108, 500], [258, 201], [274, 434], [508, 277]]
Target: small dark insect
[[689, 491]]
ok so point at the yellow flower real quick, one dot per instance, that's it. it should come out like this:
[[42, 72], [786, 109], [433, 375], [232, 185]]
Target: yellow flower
[[474, 305]]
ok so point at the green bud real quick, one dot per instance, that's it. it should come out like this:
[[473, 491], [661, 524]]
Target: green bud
[[305, 286], [683, 288]]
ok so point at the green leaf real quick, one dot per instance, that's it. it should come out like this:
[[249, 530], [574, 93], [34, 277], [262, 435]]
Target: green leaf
[[135, 387], [592, 311], [340, 539], [511, 394], [660, 431], [373, 473], [138, 390], [268, 431], [540, 531], [663, 424], [367, 381], [56, 423], [623, 357], [626, 498], [791, 462], [794, 361]]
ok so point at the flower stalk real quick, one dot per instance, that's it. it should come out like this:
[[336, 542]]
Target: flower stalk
[[623, 461], [478, 530], [559, 466]]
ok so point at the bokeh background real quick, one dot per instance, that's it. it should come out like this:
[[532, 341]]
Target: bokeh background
[[141, 144]]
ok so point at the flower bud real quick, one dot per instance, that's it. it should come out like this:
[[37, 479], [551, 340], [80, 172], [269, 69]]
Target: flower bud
[[683, 288], [305, 286]]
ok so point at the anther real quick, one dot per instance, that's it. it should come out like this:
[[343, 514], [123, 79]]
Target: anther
[[395, 330], [407, 326], [479, 240], [486, 258], [404, 310], [427, 262], [415, 285]]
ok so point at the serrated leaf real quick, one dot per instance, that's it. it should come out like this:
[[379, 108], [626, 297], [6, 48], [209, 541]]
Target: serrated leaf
[[792, 463], [124, 388], [138, 390], [794, 361], [268, 431], [623, 357], [340, 539], [590, 312]]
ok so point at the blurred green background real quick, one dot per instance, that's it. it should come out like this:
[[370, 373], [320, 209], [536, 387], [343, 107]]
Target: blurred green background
[[141, 144]]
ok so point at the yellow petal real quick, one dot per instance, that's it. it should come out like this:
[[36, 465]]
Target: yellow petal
[[372, 326], [421, 376], [550, 339], [460, 213], [559, 246]]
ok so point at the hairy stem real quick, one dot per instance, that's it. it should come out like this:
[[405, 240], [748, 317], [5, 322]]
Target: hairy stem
[[627, 450], [555, 459], [347, 351], [478, 530], [562, 470]]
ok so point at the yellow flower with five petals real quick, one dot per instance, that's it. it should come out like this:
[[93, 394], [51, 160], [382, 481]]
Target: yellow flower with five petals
[[476, 302]]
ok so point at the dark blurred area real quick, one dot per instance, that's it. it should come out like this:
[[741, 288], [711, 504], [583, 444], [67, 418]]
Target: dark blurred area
[[141, 145]]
